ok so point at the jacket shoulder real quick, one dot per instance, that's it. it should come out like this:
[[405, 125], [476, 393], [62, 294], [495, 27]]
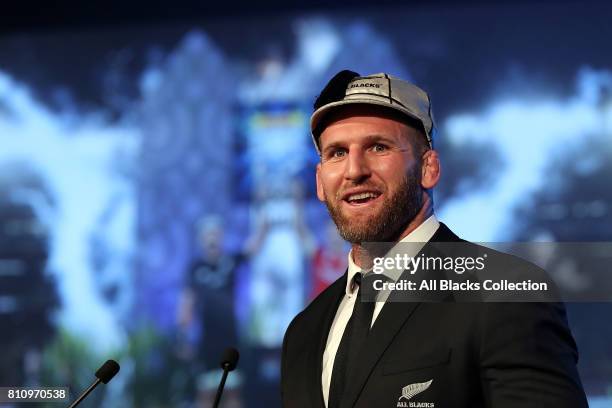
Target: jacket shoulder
[[321, 304]]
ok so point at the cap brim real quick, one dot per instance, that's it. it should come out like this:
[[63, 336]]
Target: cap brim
[[319, 114]]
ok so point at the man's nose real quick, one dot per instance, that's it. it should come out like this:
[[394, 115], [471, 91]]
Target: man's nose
[[357, 167]]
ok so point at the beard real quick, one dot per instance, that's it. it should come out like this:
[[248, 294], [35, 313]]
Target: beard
[[396, 212]]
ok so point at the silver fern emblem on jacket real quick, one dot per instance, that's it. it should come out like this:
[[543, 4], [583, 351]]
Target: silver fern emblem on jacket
[[411, 390]]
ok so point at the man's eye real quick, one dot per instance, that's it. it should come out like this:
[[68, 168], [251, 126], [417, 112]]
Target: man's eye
[[379, 148], [338, 153]]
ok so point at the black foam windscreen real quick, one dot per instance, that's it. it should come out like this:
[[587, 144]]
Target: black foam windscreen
[[230, 359], [107, 371], [335, 89]]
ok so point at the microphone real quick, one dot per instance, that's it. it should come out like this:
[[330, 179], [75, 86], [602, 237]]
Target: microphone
[[229, 361], [104, 375]]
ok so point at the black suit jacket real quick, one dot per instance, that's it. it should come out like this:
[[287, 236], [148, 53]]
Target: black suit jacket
[[475, 354]]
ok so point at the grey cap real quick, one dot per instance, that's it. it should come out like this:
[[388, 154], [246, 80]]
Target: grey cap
[[382, 90]]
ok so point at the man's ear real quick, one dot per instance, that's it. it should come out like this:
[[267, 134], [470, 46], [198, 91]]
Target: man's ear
[[320, 192], [430, 169]]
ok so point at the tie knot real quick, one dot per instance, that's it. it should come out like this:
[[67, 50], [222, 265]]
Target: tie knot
[[370, 285], [356, 281]]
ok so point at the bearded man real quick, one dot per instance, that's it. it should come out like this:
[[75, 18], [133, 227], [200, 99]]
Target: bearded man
[[376, 175]]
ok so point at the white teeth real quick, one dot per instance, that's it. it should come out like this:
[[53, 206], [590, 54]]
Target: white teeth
[[361, 196]]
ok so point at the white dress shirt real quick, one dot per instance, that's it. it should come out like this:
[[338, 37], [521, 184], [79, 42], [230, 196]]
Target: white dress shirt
[[421, 234]]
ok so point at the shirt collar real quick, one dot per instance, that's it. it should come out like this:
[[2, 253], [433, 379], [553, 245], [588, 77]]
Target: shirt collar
[[421, 234]]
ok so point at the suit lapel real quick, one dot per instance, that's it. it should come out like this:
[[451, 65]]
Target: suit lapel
[[388, 323], [329, 305], [392, 317]]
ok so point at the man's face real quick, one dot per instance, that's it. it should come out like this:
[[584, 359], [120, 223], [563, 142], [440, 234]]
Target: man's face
[[369, 176], [212, 239]]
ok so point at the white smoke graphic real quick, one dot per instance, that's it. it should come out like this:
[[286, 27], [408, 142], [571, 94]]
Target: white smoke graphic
[[75, 156], [527, 134]]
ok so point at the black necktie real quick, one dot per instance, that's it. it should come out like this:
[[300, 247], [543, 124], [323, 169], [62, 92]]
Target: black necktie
[[353, 339]]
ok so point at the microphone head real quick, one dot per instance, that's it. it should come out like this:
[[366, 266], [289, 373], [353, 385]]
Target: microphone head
[[107, 371], [230, 359]]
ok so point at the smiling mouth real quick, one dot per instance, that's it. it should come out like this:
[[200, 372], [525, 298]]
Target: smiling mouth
[[361, 198]]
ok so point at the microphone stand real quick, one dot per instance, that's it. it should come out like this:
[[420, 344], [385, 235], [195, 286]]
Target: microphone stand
[[86, 393], [221, 385]]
